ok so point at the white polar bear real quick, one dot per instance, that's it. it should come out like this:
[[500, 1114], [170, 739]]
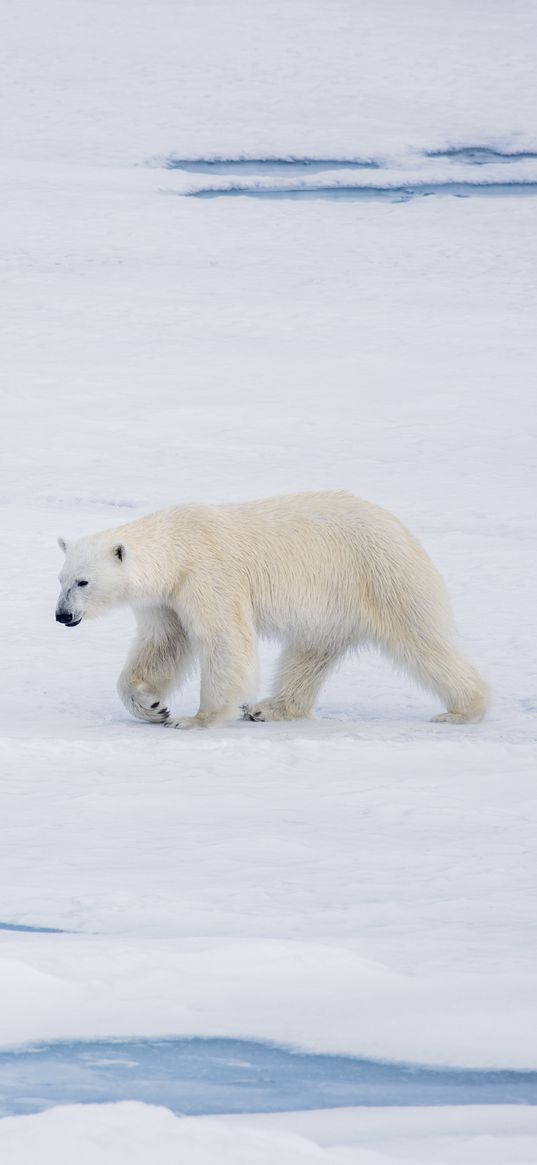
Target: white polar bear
[[322, 572]]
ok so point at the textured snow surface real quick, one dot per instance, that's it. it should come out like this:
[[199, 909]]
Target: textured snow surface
[[363, 883], [122, 81], [137, 1133]]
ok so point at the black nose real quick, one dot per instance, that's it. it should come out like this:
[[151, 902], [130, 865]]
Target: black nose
[[63, 617]]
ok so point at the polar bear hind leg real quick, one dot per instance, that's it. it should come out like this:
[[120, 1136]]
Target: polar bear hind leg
[[433, 661], [301, 673], [437, 664]]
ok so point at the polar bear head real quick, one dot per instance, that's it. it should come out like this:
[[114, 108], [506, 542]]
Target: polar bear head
[[92, 579]]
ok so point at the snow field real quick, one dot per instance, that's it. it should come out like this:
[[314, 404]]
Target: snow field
[[365, 882]]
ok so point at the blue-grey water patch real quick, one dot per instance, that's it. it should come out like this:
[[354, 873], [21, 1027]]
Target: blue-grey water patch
[[482, 155], [474, 155], [242, 169], [202, 1076], [19, 927], [267, 165], [375, 193]]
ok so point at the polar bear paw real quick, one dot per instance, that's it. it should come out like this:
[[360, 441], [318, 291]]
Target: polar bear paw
[[274, 709], [253, 712], [452, 718], [183, 722], [146, 705]]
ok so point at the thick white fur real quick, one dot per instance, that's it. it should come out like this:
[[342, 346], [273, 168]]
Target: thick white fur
[[322, 572]]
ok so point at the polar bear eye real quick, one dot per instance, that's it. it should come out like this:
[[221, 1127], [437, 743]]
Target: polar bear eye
[[81, 582]]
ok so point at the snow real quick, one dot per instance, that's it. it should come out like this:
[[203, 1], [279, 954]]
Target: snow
[[95, 81], [115, 1134], [363, 883], [321, 888]]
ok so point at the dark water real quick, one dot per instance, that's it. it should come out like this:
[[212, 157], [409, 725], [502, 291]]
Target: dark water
[[482, 155], [378, 193], [20, 928], [267, 165], [241, 168], [476, 155], [200, 1076]]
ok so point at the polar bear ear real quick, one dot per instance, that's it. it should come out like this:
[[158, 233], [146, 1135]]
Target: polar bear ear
[[119, 552], [62, 545]]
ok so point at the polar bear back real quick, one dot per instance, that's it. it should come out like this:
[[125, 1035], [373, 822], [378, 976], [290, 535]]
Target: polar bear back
[[335, 565]]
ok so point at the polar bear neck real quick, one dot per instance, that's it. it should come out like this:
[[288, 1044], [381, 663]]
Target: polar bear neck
[[160, 550]]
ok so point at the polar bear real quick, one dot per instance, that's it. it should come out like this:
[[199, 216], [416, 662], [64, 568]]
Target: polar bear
[[322, 572]]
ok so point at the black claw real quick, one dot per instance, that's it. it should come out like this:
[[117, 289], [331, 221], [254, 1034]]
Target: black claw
[[164, 712], [156, 704]]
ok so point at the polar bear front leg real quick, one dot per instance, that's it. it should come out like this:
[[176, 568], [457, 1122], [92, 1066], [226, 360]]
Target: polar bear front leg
[[228, 665], [159, 658]]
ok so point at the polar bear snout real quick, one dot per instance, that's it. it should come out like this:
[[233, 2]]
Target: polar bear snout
[[65, 617]]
